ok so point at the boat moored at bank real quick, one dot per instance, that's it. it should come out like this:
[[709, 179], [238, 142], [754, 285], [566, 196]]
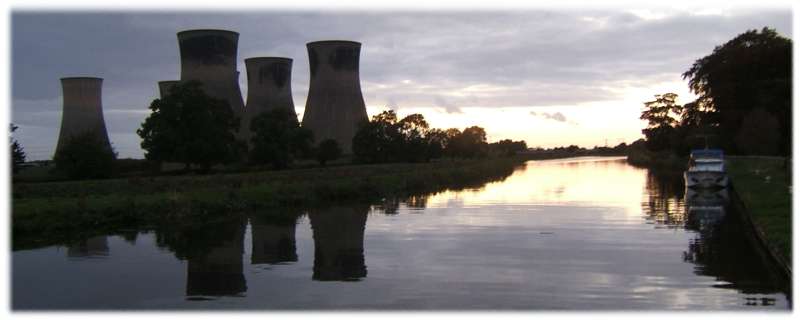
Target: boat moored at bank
[[706, 169]]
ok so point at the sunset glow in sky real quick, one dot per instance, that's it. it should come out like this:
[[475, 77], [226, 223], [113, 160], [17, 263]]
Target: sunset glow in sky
[[550, 77]]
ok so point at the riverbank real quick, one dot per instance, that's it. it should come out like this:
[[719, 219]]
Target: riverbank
[[60, 212], [765, 189]]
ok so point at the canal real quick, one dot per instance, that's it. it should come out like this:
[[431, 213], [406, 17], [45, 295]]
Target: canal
[[568, 234]]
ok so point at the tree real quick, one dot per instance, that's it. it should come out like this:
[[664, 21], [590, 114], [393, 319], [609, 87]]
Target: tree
[[328, 150], [470, 143], [85, 156], [507, 147], [189, 127], [758, 134], [751, 71], [662, 116], [17, 153], [412, 143], [385, 139], [436, 143], [374, 142], [450, 147], [278, 138]]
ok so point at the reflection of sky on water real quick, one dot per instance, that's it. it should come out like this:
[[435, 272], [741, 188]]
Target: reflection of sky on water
[[559, 182]]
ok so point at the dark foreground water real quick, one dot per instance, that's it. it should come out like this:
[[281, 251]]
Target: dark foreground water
[[578, 234]]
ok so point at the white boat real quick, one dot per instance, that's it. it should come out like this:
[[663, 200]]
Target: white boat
[[706, 169]]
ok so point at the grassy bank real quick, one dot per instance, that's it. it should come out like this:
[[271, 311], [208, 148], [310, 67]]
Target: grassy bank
[[764, 186], [59, 212]]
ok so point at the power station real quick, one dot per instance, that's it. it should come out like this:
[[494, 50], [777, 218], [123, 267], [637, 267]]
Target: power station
[[209, 57], [82, 110], [334, 107]]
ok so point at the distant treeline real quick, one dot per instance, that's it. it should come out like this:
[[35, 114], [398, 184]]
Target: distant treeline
[[621, 149]]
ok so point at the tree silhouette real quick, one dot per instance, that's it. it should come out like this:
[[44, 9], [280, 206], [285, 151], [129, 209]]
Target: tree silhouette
[[375, 141], [662, 116], [759, 133], [189, 127], [385, 139], [17, 153], [278, 138], [470, 143], [328, 150], [751, 71]]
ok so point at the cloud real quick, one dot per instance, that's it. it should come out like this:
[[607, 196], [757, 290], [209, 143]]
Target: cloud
[[440, 102], [556, 116]]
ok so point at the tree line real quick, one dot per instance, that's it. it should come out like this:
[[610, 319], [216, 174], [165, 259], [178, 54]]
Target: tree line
[[411, 139], [744, 103]]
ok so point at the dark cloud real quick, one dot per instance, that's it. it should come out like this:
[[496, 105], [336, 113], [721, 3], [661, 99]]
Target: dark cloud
[[448, 60]]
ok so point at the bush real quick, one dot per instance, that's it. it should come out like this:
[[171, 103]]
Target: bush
[[328, 150]]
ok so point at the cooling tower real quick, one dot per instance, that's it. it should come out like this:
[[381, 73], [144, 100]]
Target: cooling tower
[[165, 86], [83, 109], [209, 57], [269, 84], [335, 107], [269, 87]]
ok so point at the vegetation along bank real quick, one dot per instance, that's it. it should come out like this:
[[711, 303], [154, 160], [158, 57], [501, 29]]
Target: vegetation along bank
[[764, 187]]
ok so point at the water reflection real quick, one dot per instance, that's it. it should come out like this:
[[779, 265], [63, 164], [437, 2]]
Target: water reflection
[[339, 243], [719, 247], [664, 203], [574, 182], [555, 235], [273, 239], [391, 206], [219, 270], [89, 248], [213, 251]]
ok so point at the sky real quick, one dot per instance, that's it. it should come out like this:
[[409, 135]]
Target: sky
[[551, 77]]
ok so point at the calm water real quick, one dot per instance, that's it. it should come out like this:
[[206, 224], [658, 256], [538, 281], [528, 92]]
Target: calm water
[[578, 234]]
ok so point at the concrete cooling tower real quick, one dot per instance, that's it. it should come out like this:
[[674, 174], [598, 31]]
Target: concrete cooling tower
[[165, 86], [269, 87], [335, 107], [269, 83], [83, 110], [209, 56]]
